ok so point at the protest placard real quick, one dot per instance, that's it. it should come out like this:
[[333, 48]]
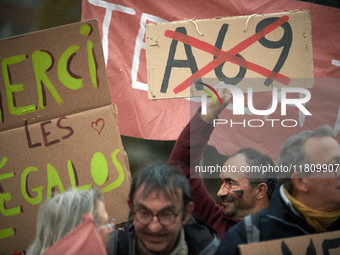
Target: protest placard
[[58, 127], [275, 48], [318, 244]]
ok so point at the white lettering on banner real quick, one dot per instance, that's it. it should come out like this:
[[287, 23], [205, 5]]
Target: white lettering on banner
[[107, 19], [140, 45], [335, 62]]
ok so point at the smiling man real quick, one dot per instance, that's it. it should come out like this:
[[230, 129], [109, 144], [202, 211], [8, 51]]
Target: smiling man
[[308, 199], [240, 194], [161, 220]]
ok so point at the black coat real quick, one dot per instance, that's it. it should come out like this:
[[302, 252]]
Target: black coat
[[199, 237], [275, 222]]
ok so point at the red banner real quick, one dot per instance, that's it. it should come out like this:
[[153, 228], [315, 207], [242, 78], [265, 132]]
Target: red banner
[[122, 25]]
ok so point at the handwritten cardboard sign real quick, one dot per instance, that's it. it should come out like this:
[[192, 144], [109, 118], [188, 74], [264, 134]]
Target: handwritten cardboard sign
[[58, 128], [275, 48], [318, 244]]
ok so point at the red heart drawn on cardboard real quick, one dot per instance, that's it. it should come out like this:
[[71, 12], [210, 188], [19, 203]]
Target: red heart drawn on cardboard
[[98, 125]]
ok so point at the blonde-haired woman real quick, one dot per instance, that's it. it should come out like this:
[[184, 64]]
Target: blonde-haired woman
[[61, 214]]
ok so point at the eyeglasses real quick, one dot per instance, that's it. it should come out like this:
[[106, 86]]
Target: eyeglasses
[[165, 217], [110, 225]]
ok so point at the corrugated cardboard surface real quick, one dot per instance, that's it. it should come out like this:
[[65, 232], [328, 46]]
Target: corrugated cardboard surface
[[74, 143], [239, 39], [53, 44]]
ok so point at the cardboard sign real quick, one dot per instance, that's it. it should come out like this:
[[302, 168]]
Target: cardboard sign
[[324, 243], [58, 128], [274, 48]]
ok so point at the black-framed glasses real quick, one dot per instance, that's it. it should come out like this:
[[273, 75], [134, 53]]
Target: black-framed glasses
[[165, 217]]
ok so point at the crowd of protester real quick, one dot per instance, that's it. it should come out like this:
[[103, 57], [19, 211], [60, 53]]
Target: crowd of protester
[[171, 211]]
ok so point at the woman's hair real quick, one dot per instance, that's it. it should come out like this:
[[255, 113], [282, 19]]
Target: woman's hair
[[61, 214]]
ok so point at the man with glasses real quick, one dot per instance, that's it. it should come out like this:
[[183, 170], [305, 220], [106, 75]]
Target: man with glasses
[[161, 220], [307, 201], [240, 194]]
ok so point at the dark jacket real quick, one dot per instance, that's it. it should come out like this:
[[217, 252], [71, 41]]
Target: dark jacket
[[275, 222], [186, 154], [200, 239]]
